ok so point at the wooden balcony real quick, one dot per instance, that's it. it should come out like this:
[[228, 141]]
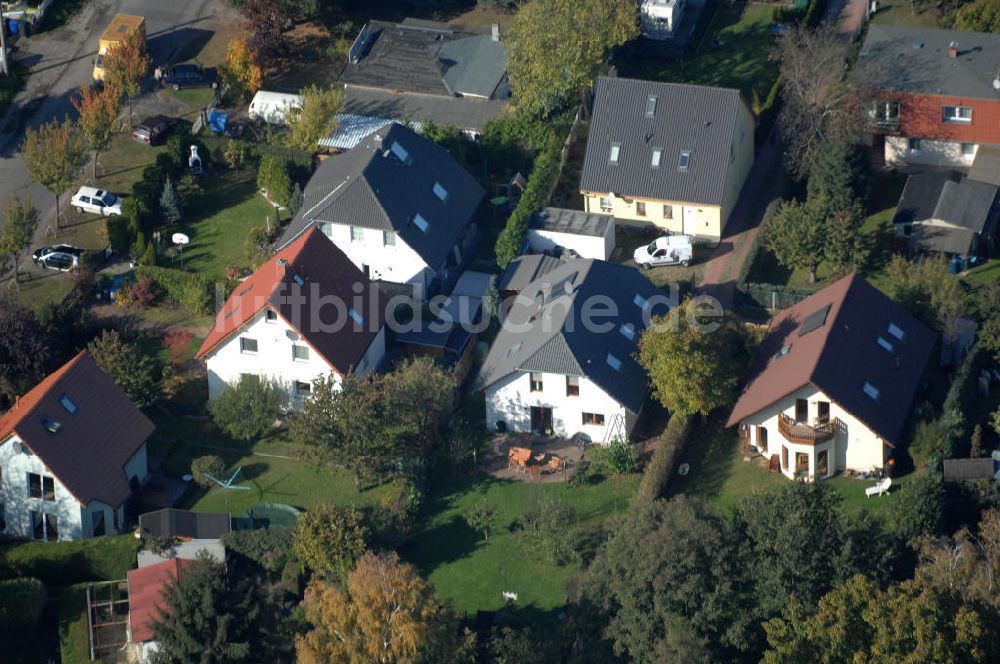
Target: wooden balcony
[[804, 434]]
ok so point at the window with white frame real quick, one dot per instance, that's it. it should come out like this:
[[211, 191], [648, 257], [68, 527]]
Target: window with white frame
[[572, 386], [614, 152], [536, 382], [606, 204], [388, 238], [302, 388], [656, 157], [593, 419], [357, 234], [640, 209], [668, 211], [41, 486], [300, 353], [957, 114]]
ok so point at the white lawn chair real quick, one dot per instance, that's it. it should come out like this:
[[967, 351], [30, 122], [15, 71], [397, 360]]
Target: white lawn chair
[[881, 487]]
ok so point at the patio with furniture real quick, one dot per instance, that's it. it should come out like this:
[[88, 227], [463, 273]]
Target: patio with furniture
[[532, 458]]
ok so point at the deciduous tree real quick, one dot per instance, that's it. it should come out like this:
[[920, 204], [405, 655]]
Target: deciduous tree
[[315, 119], [481, 516], [127, 65], [329, 540], [135, 371], [556, 48], [797, 234], [208, 617], [264, 27], [24, 352], [98, 111], [242, 71], [15, 236], [979, 16], [925, 288], [421, 397], [247, 409], [52, 154], [694, 370], [386, 613]]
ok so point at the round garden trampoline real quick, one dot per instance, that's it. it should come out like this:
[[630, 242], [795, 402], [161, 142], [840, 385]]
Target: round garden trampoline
[[269, 515]]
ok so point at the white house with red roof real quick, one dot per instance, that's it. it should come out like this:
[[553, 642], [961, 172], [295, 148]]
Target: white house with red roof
[[146, 588], [72, 453], [306, 313]]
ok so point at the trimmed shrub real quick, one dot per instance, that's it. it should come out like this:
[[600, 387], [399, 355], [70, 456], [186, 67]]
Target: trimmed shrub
[[21, 603], [66, 563], [273, 177], [192, 292], [536, 194], [210, 464], [659, 471], [119, 236], [619, 457], [267, 547]]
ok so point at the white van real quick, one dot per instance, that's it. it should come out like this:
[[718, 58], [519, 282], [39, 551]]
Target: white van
[[271, 106], [666, 250]]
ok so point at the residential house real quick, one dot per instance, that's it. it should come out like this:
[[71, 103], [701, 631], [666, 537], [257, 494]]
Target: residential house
[[933, 96], [524, 270], [72, 453], [659, 18], [833, 381], [306, 313], [564, 361], [398, 206], [146, 589], [424, 71], [668, 154], [946, 212]]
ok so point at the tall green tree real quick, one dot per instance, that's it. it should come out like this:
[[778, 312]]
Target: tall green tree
[[52, 154], [15, 236], [694, 370], [208, 617], [248, 409], [24, 349], [797, 235], [135, 371], [329, 540], [671, 574], [421, 397], [926, 289], [127, 65], [315, 119], [556, 48], [979, 16], [170, 204]]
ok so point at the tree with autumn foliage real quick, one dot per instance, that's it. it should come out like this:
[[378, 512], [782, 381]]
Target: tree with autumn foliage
[[52, 154], [264, 27], [386, 613], [98, 111], [127, 64], [315, 118], [242, 73], [15, 235]]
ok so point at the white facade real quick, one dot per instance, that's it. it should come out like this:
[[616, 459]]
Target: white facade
[[511, 399], [854, 446], [900, 150], [73, 520], [587, 246], [381, 255], [282, 356], [659, 18]]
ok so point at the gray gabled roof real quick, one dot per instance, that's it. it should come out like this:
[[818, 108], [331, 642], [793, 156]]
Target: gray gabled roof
[[946, 210], [373, 187], [696, 119], [473, 66], [545, 328], [524, 269], [905, 59]]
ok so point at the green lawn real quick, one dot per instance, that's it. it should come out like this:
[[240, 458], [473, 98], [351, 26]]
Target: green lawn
[[271, 480], [720, 475], [900, 12], [736, 52], [218, 224], [74, 637], [985, 274], [471, 574]]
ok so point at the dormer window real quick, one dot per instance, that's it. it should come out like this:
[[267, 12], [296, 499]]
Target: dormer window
[[51, 425], [68, 404], [683, 161], [650, 106], [440, 192], [614, 153], [270, 315], [656, 158], [420, 223]]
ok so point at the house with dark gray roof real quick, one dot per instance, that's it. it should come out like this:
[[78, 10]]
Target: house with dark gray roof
[[832, 384], [398, 205], [946, 212], [931, 93], [668, 154], [564, 361], [419, 71]]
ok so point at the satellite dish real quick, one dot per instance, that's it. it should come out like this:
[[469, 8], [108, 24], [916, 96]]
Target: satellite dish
[[16, 446], [180, 238], [996, 84], [291, 334]]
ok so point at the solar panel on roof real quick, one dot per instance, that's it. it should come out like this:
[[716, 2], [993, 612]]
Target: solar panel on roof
[[814, 320]]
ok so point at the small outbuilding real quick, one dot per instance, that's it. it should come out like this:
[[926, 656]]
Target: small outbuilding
[[589, 235]]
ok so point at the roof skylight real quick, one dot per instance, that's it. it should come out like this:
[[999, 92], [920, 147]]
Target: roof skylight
[[814, 321], [51, 425], [440, 191], [656, 158], [639, 301], [897, 331], [614, 362], [420, 222], [400, 152], [299, 280], [68, 404], [870, 390], [513, 349], [885, 343], [628, 331], [650, 106], [613, 153], [355, 316], [683, 161]]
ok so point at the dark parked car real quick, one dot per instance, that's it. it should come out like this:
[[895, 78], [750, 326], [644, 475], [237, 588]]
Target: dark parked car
[[190, 76], [58, 260], [151, 130], [38, 254]]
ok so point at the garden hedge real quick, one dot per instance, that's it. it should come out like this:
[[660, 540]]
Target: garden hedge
[[661, 468], [536, 194], [22, 601], [66, 563]]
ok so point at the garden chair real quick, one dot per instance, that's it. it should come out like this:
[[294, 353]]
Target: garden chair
[[880, 488]]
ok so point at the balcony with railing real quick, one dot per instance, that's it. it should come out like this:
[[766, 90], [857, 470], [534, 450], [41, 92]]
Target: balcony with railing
[[884, 116], [806, 434]]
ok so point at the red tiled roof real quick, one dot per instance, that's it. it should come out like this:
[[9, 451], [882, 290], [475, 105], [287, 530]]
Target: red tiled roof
[[92, 445], [840, 355], [146, 587], [327, 275]]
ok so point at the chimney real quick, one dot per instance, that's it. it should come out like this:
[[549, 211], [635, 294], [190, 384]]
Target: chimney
[[953, 49], [282, 266], [496, 32]]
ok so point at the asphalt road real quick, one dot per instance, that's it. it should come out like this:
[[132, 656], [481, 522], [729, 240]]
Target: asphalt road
[[62, 61]]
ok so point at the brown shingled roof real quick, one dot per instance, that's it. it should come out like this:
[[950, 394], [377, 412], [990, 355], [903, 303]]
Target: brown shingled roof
[[89, 450], [316, 261], [841, 355]]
